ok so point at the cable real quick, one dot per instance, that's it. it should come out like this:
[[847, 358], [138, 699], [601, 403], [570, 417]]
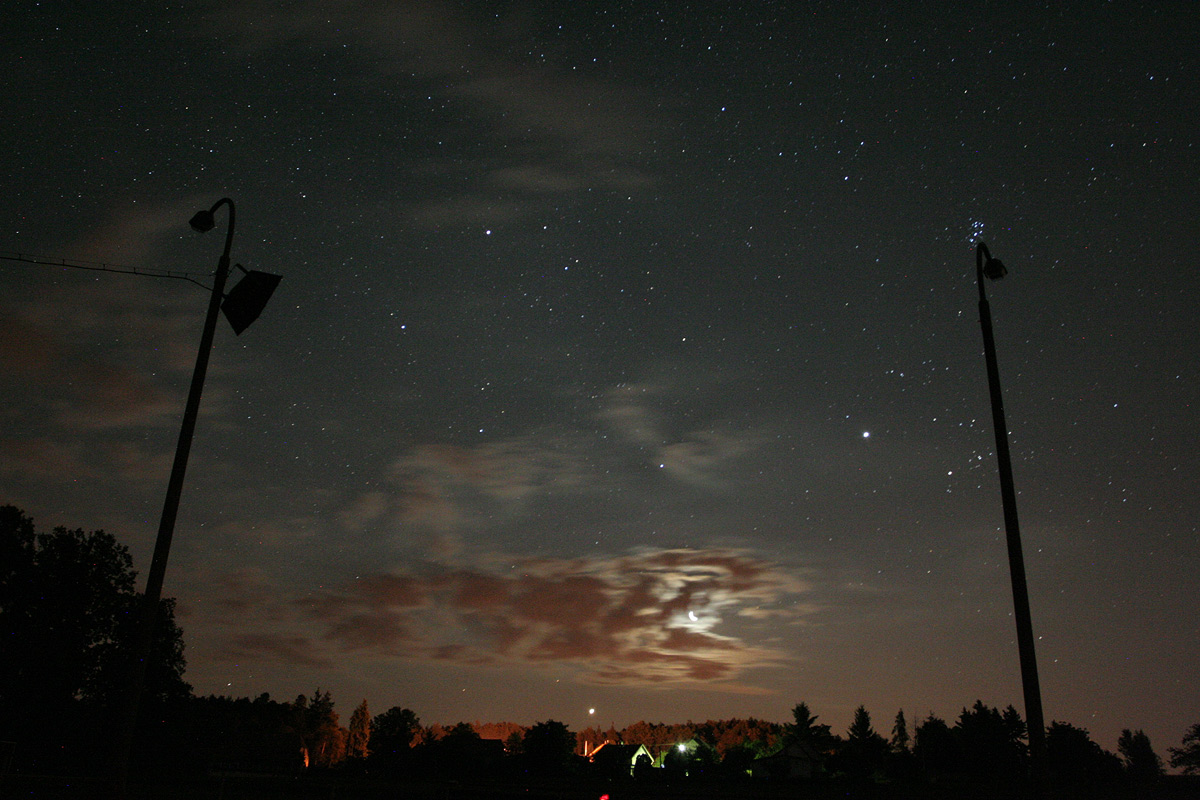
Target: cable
[[100, 266]]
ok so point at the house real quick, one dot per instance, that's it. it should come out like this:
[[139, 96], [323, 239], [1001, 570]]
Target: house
[[619, 759], [688, 749], [795, 760]]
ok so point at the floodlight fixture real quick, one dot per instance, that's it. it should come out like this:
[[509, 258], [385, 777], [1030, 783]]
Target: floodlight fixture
[[247, 300]]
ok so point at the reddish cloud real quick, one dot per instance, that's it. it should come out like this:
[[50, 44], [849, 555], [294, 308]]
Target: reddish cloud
[[393, 591], [41, 459], [377, 631], [648, 617], [243, 593], [25, 349], [289, 649]]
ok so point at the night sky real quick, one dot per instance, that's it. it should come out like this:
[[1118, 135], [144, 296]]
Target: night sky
[[627, 355]]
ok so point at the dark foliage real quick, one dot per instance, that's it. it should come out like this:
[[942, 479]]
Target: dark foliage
[[935, 747], [864, 752], [1142, 764], [990, 742], [392, 735], [317, 723], [68, 623], [1075, 761], [243, 736], [805, 730], [548, 747], [1187, 757]]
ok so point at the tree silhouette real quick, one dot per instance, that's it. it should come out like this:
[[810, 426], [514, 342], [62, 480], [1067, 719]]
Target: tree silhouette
[[461, 743], [1075, 760], [68, 623], [805, 730], [242, 735], [359, 736], [989, 743], [1142, 764], [1187, 757], [548, 747], [396, 727], [317, 723], [935, 746], [728, 734], [862, 754], [900, 738]]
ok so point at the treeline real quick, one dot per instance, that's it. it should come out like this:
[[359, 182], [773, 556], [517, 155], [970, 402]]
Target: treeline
[[723, 736], [983, 746]]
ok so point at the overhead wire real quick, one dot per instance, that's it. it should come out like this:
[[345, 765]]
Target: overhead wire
[[102, 266]]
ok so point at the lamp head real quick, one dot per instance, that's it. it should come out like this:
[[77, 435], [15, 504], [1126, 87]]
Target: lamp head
[[203, 221], [993, 269]]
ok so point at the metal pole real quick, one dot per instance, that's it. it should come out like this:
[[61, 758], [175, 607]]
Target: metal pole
[[1016, 560], [166, 527]]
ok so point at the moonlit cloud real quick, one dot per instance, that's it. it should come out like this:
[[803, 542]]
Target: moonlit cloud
[[643, 618]]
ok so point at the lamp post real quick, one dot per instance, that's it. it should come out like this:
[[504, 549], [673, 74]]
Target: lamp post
[[993, 269], [242, 306]]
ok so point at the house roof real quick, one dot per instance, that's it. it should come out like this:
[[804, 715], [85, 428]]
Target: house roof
[[624, 753]]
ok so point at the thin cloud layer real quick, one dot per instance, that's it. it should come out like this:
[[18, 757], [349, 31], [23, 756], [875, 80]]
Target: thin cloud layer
[[442, 487], [642, 618], [559, 131], [455, 488]]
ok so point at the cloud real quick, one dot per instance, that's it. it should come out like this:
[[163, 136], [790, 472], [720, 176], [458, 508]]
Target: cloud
[[643, 618], [26, 350], [48, 460], [446, 488], [446, 491], [697, 456], [242, 592], [101, 354], [135, 234], [295, 650], [113, 396], [35, 458], [89, 383], [551, 130]]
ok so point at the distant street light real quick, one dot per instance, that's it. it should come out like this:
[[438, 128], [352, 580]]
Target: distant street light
[[993, 269], [242, 306]]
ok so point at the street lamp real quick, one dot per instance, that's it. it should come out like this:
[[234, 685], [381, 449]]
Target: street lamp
[[993, 269], [242, 306]]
